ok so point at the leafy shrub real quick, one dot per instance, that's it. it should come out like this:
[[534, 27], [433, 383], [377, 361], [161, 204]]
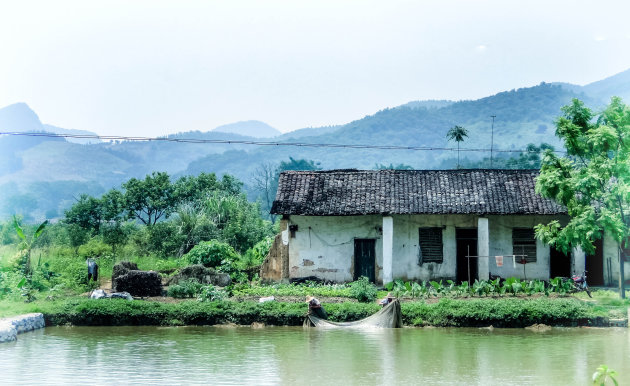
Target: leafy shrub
[[506, 312], [211, 254], [363, 290], [72, 273], [210, 293], [255, 256], [185, 289], [163, 239], [94, 248]]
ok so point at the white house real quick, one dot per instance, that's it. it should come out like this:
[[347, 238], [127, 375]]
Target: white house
[[339, 225]]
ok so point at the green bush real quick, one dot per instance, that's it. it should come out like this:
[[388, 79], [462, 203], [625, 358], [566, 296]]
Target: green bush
[[72, 271], [94, 248], [505, 312], [363, 290], [255, 256], [211, 254], [163, 239], [210, 293], [185, 289]]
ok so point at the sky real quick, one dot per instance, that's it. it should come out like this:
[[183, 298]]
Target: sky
[[150, 68]]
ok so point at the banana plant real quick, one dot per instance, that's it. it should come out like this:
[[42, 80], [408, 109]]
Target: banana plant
[[27, 243]]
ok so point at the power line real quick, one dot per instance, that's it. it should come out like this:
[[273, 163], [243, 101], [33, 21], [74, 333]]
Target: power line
[[248, 142]]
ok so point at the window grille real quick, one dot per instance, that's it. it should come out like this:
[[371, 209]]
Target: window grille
[[431, 245], [524, 243]]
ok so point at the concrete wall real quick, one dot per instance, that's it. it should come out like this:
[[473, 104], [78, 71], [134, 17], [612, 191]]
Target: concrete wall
[[500, 229], [324, 246], [276, 264], [611, 253], [407, 249]]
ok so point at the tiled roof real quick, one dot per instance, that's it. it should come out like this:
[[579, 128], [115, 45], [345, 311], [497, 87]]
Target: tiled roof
[[355, 192]]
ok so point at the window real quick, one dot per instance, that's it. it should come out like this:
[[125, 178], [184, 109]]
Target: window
[[430, 245], [524, 243]]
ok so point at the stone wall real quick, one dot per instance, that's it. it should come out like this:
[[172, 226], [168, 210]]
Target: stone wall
[[276, 264], [10, 327]]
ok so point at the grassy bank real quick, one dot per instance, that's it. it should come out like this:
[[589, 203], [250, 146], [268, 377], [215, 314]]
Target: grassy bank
[[504, 312]]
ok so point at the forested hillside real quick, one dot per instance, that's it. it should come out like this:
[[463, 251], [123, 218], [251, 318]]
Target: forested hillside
[[41, 177]]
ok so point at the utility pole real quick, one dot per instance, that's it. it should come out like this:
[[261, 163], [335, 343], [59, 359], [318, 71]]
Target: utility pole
[[492, 140]]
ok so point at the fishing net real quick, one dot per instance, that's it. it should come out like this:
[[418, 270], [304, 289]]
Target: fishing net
[[388, 317]]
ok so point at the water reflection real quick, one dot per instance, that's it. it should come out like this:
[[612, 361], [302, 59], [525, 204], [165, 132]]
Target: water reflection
[[288, 355]]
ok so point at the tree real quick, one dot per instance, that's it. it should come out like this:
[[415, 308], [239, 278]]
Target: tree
[[529, 159], [86, 213], [592, 181], [457, 133], [150, 199], [191, 190], [266, 178], [391, 166]]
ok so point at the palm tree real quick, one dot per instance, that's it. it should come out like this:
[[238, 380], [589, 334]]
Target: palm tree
[[457, 133]]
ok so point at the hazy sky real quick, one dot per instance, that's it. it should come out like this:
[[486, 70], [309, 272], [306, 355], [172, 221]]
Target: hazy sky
[[156, 67]]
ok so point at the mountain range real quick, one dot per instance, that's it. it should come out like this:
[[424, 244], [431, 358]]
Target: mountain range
[[42, 176]]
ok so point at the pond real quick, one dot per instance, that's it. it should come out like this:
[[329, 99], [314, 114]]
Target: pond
[[290, 355]]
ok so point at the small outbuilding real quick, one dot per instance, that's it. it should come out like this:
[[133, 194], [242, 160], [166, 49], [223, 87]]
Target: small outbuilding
[[338, 225]]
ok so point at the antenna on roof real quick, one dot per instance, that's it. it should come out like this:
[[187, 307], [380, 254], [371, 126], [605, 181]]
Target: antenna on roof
[[492, 140]]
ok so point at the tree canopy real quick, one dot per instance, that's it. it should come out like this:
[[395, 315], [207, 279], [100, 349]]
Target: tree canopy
[[267, 174], [592, 180], [203, 208]]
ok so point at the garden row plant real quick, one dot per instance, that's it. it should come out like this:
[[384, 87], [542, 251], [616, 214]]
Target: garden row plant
[[495, 287]]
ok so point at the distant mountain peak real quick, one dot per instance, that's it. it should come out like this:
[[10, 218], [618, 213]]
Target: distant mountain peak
[[252, 128], [19, 117]]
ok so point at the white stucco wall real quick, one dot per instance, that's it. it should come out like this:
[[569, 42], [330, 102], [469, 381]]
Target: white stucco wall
[[611, 253], [324, 246], [501, 245], [407, 250]]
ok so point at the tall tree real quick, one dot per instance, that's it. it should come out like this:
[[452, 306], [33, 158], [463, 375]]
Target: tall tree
[[592, 180], [265, 183], [86, 213], [266, 179], [150, 199], [457, 133]]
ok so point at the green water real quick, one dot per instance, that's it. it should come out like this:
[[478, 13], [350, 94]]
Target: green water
[[290, 355]]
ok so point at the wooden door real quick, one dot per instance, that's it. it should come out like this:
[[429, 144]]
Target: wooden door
[[595, 265], [466, 240], [365, 259]]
